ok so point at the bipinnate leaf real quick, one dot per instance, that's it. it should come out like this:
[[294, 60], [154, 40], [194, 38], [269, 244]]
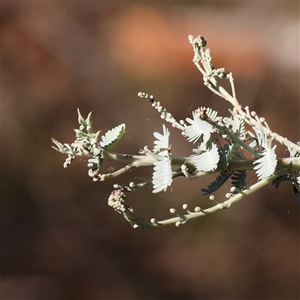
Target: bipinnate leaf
[[262, 139], [162, 140], [197, 129], [215, 185], [278, 180], [212, 114], [266, 165], [207, 161], [239, 179], [162, 175], [112, 136], [236, 124], [293, 152]]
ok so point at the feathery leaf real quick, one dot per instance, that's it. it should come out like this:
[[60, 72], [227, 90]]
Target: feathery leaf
[[162, 140], [215, 185], [236, 124], [239, 179], [266, 165], [208, 160], [112, 136], [162, 175], [197, 129]]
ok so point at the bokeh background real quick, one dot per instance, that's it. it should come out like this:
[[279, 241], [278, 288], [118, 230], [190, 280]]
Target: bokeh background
[[60, 240]]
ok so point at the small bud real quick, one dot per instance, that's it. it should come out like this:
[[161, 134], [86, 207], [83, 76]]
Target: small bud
[[178, 223], [212, 198], [169, 115], [172, 210]]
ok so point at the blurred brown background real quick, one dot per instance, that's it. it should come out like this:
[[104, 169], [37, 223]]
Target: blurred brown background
[[60, 240]]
